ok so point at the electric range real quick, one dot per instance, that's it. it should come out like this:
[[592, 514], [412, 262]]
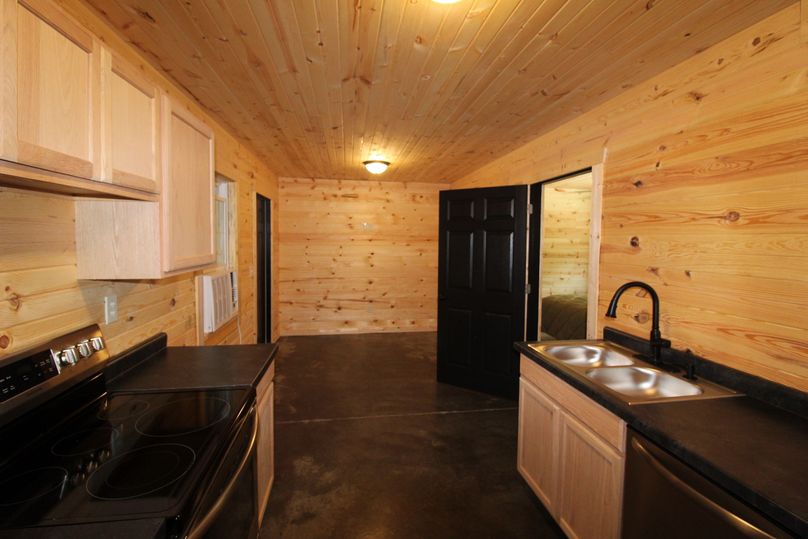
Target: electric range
[[89, 456]]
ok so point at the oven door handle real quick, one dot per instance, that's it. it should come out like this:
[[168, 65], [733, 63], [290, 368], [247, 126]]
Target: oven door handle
[[202, 526]]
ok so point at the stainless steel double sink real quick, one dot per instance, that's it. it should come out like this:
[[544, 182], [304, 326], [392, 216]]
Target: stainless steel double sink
[[624, 374]]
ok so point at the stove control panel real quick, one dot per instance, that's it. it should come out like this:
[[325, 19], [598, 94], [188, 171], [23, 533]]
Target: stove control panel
[[64, 358], [25, 374]]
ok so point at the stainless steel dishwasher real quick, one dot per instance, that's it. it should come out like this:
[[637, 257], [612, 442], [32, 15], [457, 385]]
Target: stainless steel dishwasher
[[666, 498]]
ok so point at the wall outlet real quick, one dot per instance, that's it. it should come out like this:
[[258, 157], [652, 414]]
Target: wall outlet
[[110, 309]]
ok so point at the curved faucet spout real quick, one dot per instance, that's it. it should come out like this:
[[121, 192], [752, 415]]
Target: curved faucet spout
[[656, 340]]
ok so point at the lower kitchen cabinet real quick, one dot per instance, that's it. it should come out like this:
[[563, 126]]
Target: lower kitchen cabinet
[[538, 443], [590, 479], [571, 452], [265, 474]]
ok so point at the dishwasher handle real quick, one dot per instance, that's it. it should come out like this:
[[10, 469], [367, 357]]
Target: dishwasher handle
[[657, 459]]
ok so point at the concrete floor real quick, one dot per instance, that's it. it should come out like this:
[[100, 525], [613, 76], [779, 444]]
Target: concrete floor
[[369, 445]]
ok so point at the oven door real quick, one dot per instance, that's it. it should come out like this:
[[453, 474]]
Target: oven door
[[229, 508]]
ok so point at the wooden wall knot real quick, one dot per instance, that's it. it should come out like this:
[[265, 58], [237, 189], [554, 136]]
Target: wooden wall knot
[[4, 341], [635, 241], [732, 216], [641, 317], [15, 301]]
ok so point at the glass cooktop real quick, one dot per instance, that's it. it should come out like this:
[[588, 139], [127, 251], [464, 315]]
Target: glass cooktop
[[123, 456]]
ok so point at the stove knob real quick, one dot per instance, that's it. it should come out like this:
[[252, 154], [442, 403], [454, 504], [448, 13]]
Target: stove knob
[[98, 343], [84, 349], [69, 356]]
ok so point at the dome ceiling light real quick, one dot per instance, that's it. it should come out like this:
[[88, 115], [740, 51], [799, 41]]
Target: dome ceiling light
[[376, 166]]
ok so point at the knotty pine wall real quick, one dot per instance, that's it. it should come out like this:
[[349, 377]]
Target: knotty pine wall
[[705, 197], [357, 256], [566, 207], [39, 295]]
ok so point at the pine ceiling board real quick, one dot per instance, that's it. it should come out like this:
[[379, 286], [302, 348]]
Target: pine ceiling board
[[316, 86], [426, 33], [396, 17], [395, 102], [251, 48], [278, 35], [314, 97], [584, 83], [327, 100], [670, 52], [195, 19], [494, 27]]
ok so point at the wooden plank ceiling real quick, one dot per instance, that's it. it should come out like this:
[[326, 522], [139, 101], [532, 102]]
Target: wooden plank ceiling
[[317, 86]]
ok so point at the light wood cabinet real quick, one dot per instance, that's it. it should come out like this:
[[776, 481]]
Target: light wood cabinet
[[187, 197], [265, 469], [590, 483], [129, 152], [49, 92], [123, 239], [571, 451], [538, 448]]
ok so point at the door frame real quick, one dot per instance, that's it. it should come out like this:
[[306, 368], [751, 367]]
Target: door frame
[[266, 301], [536, 234]]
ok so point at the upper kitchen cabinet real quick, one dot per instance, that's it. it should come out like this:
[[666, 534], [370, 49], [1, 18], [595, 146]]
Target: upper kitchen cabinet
[[124, 239], [187, 201], [130, 126], [49, 90]]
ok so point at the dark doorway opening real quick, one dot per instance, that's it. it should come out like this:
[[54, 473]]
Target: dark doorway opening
[[264, 268]]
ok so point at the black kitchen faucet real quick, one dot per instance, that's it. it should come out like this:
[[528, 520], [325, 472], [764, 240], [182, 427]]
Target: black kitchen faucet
[[656, 341]]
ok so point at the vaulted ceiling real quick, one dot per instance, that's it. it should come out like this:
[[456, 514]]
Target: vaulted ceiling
[[316, 87]]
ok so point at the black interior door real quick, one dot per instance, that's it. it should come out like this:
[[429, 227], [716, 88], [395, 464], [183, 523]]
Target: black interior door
[[264, 268], [481, 287]]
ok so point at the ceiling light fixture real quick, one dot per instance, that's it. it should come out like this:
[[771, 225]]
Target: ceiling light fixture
[[375, 166]]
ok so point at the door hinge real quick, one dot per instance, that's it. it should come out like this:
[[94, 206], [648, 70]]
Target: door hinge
[[528, 288], [530, 209]]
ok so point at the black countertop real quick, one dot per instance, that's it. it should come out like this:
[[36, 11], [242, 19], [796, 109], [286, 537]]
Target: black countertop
[[754, 450], [153, 367]]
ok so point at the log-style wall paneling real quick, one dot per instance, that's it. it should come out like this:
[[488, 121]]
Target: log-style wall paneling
[[40, 296], [705, 198], [317, 87], [566, 208], [357, 256]]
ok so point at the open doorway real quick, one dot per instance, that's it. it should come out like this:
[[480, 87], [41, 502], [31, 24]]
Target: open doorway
[[264, 268], [563, 259]]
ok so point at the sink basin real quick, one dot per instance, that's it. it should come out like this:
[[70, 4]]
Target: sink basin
[[644, 382], [585, 355]]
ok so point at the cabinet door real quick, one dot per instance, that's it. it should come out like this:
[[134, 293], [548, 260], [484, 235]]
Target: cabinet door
[[537, 452], [130, 130], [266, 447], [187, 195], [50, 89], [590, 483]]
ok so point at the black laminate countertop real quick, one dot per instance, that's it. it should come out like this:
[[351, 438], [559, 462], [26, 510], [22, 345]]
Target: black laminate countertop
[[192, 367], [754, 450]]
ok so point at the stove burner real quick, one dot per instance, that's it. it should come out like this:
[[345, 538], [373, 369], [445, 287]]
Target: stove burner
[[120, 410], [183, 416], [84, 441], [31, 485], [140, 472]]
